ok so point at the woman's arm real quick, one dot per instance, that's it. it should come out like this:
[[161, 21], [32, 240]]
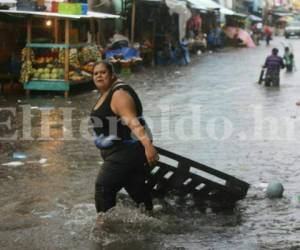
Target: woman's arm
[[123, 105]]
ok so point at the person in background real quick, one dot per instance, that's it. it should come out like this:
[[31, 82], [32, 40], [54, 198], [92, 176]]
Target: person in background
[[268, 34], [288, 58], [273, 64], [123, 139], [194, 25], [118, 41]]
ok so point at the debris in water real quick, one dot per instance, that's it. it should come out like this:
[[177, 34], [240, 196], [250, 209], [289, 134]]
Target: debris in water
[[19, 156], [13, 164], [275, 190], [262, 185], [43, 161], [47, 216], [46, 107], [296, 201]]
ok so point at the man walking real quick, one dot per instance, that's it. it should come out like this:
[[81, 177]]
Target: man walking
[[273, 64]]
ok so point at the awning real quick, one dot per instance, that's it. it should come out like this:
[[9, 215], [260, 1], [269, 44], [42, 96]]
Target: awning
[[235, 32], [285, 19], [254, 18], [195, 4], [90, 14], [226, 11], [282, 13], [7, 1], [211, 5], [208, 4], [179, 7]]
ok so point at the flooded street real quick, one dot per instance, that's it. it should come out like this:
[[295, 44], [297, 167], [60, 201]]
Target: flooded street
[[212, 111]]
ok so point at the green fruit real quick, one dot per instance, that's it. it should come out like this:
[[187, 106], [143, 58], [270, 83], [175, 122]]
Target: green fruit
[[53, 76]]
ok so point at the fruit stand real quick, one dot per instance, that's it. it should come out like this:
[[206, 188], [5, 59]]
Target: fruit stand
[[60, 65]]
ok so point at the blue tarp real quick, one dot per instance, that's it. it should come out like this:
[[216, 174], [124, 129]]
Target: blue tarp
[[126, 52], [179, 55]]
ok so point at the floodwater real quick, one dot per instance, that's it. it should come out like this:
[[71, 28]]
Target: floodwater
[[213, 112]]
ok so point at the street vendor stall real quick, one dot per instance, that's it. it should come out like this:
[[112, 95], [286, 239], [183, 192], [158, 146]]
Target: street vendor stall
[[55, 66]]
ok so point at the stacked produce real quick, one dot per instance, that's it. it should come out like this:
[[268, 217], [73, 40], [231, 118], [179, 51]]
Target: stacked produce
[[24, 53], [49, 64], [26, 71], [89, 54], [49, 72], [73, 59], [87, 58], [61, 56]]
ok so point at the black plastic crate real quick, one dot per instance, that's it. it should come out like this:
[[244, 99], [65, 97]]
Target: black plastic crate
[[182, 176]]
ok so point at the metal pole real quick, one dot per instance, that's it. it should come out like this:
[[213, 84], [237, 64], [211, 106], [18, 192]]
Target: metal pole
[[133, 20]]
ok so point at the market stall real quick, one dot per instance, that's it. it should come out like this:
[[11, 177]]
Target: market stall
[[55, 66]]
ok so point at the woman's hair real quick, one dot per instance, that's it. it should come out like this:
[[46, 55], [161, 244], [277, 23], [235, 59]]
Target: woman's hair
[[108, 66]]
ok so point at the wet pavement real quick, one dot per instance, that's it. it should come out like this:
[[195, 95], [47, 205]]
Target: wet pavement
[[213, 112]]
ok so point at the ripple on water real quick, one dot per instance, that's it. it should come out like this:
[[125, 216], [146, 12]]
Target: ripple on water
[[128, 225]]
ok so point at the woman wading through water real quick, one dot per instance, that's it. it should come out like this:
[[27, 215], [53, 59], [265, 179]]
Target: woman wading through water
[[126, 146]]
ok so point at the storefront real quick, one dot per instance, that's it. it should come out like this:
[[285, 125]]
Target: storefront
[[154, 23], [60, 49]]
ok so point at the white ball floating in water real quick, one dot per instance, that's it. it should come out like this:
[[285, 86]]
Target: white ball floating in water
[[274, 190]]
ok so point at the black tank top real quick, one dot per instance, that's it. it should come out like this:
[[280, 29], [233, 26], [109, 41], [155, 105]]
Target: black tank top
[[106, 122]]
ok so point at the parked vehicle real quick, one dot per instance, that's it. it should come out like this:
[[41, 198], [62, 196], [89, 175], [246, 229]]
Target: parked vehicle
[[292, 29]]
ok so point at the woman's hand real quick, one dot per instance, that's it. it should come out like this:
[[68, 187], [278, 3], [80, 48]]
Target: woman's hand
[[151, 155]]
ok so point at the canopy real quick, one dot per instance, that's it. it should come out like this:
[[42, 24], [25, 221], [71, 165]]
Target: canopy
[[283, 14], [210, 4], [243, 35], [184, 13], [284, 19], [90, 14], [254, 18], [195, 4], [7, 1]]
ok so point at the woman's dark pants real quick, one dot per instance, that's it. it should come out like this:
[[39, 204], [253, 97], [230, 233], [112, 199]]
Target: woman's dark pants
[[123, 167]]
